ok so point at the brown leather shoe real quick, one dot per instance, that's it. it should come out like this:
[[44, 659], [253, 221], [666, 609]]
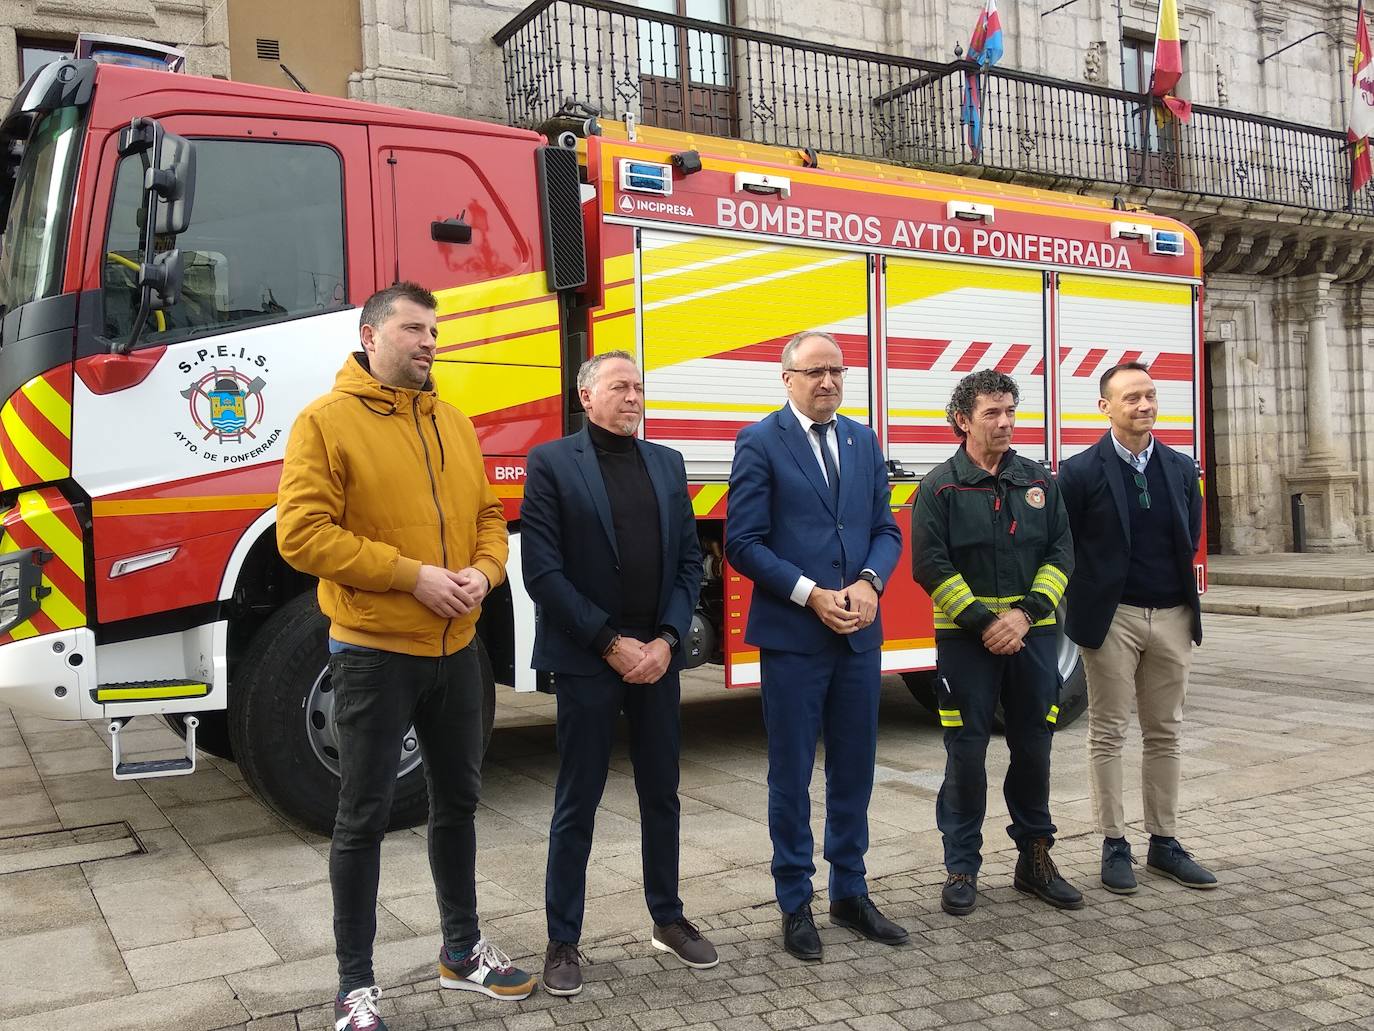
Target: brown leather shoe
[[684, 941], [562, 969]]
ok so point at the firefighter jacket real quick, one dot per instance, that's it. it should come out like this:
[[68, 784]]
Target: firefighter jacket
[[377, 481], [982, 544]]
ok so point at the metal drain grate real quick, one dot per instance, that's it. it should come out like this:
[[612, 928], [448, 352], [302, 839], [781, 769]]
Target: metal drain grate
[[63, 848]]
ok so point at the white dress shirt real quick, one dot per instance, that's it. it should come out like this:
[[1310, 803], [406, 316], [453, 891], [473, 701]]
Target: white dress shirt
[[1136, 462], [801, 593]]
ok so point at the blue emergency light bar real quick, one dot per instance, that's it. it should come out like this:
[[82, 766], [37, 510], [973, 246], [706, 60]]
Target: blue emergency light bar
[[1167, 242], [646, 177]]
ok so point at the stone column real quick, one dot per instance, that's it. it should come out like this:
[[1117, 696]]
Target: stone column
[[1360, 320], [1322, 476], [1315, 305]]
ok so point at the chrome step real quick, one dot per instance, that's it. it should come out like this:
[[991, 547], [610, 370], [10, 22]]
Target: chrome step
[[139, 770]]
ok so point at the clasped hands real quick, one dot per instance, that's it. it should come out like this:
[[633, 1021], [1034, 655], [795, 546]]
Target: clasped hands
[[450, 594], [847, 610]]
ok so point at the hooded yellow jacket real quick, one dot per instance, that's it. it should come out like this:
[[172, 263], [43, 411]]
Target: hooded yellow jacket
[[377, 481]]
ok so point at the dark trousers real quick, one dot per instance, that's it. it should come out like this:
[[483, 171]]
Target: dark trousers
[[588, 708], [377, 696], [969, 680], [831, 693]]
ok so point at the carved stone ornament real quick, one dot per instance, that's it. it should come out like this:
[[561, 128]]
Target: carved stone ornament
[[1092, 61]]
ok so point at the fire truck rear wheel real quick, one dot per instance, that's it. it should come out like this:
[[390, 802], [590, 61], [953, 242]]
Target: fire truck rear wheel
[[280, 724], [1073, 698]]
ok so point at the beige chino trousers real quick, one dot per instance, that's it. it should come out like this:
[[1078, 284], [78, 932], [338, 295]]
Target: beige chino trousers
[[1144, 659]]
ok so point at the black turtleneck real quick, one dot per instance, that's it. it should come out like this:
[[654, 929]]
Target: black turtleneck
[[634, 514]]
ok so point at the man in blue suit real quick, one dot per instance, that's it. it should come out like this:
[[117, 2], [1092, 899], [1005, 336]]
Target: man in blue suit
[[610, 556], [811, 525], [1136, 511]]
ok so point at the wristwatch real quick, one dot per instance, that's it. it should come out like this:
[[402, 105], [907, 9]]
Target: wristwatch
[[874, 580], [670, 638]]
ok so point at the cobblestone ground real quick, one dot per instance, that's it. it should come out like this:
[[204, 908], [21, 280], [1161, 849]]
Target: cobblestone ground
[[1285, 941]]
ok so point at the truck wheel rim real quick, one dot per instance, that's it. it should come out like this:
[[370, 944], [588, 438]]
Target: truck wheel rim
[[324, 740]]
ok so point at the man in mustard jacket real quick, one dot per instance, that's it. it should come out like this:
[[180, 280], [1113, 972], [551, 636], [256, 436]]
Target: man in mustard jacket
[[384, 497]]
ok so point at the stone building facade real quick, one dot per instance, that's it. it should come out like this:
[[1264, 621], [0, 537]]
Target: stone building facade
[[1289, 316]]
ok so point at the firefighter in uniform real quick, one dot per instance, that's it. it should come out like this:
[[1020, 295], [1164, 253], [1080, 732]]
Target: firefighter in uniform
[[991, 546]]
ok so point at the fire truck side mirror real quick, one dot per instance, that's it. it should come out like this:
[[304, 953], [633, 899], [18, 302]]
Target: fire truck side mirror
[[163, 277], [169, 172]]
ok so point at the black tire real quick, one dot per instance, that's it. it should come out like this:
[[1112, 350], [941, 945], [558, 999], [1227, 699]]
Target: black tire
[[1073, 697], [268, 727], [212, 736]]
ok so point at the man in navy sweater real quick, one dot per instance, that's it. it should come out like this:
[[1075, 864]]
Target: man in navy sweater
[[1135, 509]]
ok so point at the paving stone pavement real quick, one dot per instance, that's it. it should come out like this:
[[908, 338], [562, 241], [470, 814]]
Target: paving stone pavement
[[223, 921]]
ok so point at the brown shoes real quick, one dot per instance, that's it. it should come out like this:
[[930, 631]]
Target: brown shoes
[[684, 941], [562, 969]]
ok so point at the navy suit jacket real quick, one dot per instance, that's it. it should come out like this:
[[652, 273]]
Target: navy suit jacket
[[1100, 519], [782, 525], [570, 561]]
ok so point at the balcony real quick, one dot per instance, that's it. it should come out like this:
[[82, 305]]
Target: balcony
[[705, 77]]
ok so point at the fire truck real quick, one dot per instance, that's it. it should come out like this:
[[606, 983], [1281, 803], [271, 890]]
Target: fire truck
[[183, 260]]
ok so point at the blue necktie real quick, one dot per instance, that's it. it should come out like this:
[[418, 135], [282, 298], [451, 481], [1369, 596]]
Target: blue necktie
[[832, 471]]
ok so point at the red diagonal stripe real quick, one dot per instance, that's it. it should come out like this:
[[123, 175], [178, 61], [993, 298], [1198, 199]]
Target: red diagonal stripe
[[1012, 357], [915, 353], [1039, 369], [17, 465], [57, 505], [853, 346], [1130, 356], [61, 381], [1090, 362], [1172, 367], [972, 356], [63, 578], [53, 438]]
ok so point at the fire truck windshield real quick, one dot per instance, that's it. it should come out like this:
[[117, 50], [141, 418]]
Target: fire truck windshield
[[35, 237]]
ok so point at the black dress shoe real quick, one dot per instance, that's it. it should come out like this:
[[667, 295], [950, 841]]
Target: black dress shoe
[[860, 914], [799, 935], [1037, 875], [960, 894]]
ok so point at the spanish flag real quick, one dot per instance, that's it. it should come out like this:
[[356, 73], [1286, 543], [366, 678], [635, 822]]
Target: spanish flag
[[1361, 106], [1169, 61]]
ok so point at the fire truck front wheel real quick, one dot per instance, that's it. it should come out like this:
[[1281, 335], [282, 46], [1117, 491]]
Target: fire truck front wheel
[[281, 724]]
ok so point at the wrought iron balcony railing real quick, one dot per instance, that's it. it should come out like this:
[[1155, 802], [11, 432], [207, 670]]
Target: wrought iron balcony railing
[[706, 77]]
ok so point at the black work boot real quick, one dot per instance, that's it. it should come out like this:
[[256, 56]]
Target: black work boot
[[960, 894], [1037, 875], [1172, 860], [1117, 875]]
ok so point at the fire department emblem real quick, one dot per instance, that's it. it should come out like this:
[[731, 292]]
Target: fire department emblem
[[1035, 497], [226, 404]]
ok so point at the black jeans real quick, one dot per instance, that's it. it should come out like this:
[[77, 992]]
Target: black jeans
[[588, 709], [377, 696]]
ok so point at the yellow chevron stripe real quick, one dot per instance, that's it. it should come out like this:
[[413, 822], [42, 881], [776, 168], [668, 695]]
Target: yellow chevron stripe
[[53, 532], [530, 349], [910, 279], [8, 481], [485, 324], [23, 630], [742, 407], [481, 388], [618, 267], [707, 497], [491, 292], [619, 300], [1098, 417], [614, 334], [717, 309], [902, 493], [60, 609], [56, 408], [39, 459], [1103, 288]]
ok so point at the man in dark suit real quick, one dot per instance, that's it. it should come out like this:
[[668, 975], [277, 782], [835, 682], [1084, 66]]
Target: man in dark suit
[[810, 524], [610, 556], [1136, 513]]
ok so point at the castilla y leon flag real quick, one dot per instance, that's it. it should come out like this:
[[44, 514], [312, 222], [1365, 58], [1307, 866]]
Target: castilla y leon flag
[[1361, 105]]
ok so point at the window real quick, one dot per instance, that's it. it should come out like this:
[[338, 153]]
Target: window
[[266, 240], [35, 239], [35, 53]]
